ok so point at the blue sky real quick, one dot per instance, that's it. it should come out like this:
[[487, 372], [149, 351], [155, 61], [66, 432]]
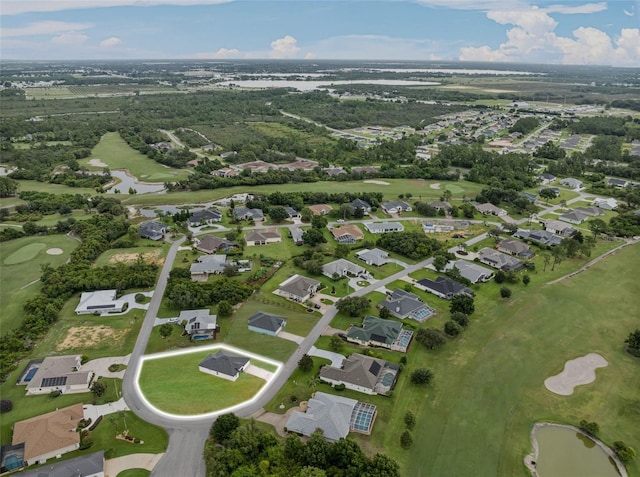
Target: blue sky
[[529, 31]]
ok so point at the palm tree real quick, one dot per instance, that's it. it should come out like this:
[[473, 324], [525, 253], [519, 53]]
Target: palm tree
[[313, 382], [547, 261]]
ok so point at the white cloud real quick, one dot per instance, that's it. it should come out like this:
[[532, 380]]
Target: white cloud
[[222, 53], [473, 4], [14, 7], [310, 56], [285, 47], [44, 28], [111, 42], [69, 39], [534, 21], [577, 9], [631, 12]]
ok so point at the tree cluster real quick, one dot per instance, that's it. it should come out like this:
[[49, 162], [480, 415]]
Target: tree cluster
[[414, 245]]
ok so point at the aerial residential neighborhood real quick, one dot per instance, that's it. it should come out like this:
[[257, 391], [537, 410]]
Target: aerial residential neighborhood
[[231, 266]]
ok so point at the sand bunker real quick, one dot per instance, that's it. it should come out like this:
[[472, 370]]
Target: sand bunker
[[97, 163], [88, 336], [576, 372], [371, 181], [147, 257], [435, 186], [55, 251]]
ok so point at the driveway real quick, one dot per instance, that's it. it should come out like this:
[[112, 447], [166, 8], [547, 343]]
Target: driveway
[[131, 300], [93, 412], [259, 372], [335, 358], [112, 467], [291, 337], [100, 366]]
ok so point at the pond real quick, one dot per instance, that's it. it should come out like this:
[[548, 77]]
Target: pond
[[128, 181], [564, 452]]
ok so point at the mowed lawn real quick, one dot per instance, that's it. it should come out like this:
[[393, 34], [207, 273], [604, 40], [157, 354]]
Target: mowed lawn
[[488, 389], [114, 151], [20, 262], [192, 391]]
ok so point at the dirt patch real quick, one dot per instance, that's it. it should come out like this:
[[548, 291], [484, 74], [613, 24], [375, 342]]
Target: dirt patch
[[435, 186], [376, 182], [147, 257], [88, 336], [97, 163], [55, 251]]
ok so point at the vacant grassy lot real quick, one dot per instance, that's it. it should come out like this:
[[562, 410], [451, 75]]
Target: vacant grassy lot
[[115, 152], [153, 254], [204, 392], [488, 390], [21, 260]]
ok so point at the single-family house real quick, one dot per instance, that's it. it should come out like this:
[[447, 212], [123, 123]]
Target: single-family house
[[342, 268], [262, 237], [573, 217], [499, 260], [56, 373], [320, 209], [99, 301], [395, 207], [224, 365], [382, 333], [515, 248], [440, 205], [359, 204], [383, 227], [297, 235], [161, 145], [362, 373], [374, 256], [292, 213], [90, 465], [204, 217], [49, 435], [489, 208], [546, 178], [558, 228], [206, 266], [606, 204], [211, 244], [619, 183], [153, 230], [226, 172], [334, 415], [443, 287], [571, 183], [245, 213], [347, 234], [437, 228], [266, 323], [529, 196], [200, 324], [590, 211], [542, 237], [403, 304], [334, 171], [298, 288], [470, 271]]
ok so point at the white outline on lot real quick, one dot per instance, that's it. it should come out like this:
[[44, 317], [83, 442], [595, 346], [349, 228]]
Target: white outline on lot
[[195, 417]]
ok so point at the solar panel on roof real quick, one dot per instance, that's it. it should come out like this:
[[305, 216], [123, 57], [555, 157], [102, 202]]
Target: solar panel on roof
[[375, 368], [57, 381], [378, 338]]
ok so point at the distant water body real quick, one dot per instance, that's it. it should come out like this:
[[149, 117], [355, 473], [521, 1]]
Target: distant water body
[[449, 71], [311, 85]]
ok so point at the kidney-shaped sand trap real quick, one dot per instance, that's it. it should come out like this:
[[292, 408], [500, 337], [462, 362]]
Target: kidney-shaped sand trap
[[576, 372]]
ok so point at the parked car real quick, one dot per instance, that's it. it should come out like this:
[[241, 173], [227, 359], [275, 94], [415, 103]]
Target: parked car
[[173, 320], [316, 306]]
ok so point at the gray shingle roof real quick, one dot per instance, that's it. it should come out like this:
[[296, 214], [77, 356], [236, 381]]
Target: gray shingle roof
[[357, 369], [266, 321], [325, 411], [382, 331], [224, 362]]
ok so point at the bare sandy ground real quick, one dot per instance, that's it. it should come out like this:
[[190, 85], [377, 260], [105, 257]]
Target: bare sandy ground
[[435, 186], [371, 181], [55, 251], [576, 372], [147, 257], [97, 163], [87, 336]]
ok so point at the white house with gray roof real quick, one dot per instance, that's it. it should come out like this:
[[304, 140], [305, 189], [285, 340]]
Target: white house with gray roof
[[395, 207], [153, 230], [403, 304], [571, 183], [573, 217], [207, 265], [266, 323], [200, 324], [383, 227], [57, 373], [362, 373], [224, 365], [99, 301], [374, 256], [342, 268], [298, 288]]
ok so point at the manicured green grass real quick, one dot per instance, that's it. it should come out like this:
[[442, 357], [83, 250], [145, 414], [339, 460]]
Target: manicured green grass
[[134, 473], [488, 388], [297, 388], [419, 188], [192, 391], [53, 219], [27, 185], [115, 152], [19, 279]]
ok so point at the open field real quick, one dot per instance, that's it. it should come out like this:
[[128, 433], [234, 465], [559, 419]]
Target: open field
[[154, 254], [192, 391], [420, 189], [20, 271], [115, 152]]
